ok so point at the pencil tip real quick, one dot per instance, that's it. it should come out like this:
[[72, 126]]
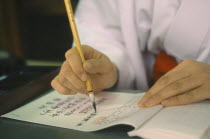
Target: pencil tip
[[93, 100], [94, 106]]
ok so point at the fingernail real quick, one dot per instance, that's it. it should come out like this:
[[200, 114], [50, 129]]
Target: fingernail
[[84, 77], [141, 104], [148, 103]]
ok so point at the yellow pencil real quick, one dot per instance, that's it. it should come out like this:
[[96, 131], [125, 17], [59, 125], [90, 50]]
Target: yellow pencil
[[78, 47]]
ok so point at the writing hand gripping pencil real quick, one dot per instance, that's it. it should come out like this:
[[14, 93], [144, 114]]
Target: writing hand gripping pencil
[[74, 73], [80, 54], [80, 61]]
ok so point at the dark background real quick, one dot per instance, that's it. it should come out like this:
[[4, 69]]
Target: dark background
[[35, 29]]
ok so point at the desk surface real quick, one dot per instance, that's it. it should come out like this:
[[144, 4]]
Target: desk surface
[[14, 129]]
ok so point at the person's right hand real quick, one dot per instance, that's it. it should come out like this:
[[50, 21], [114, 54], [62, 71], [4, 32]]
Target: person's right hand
[[74, 73]]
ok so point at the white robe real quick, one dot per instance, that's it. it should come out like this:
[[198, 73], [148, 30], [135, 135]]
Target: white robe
[[131, 32]]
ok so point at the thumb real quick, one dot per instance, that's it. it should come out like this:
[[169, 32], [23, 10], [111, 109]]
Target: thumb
[[101, 65]]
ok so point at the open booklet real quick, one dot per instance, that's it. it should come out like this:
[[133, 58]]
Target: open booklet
[[76, 112]]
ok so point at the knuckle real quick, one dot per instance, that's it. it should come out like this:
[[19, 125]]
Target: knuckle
[[70, 52]]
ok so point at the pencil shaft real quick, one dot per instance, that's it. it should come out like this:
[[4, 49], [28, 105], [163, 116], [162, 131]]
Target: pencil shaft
[[74, 28], [76, 38]]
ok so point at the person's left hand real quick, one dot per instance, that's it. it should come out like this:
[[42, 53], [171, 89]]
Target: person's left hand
[[187, 83]]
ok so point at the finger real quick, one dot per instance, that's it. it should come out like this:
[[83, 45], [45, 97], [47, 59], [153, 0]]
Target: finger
[[60, 88], [73, 81], [143, 99], [163, 82], [187, 98], [68, 84], [179, 87], [102, 65], [74, 59]]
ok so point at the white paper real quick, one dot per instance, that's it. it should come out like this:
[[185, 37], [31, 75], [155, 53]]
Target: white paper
[[184, 122], [76, 112]]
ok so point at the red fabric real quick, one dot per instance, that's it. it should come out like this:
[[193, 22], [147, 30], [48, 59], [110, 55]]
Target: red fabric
[[163, 64]]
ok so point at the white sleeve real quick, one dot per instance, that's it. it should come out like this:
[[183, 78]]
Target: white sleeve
[[99, 27]]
